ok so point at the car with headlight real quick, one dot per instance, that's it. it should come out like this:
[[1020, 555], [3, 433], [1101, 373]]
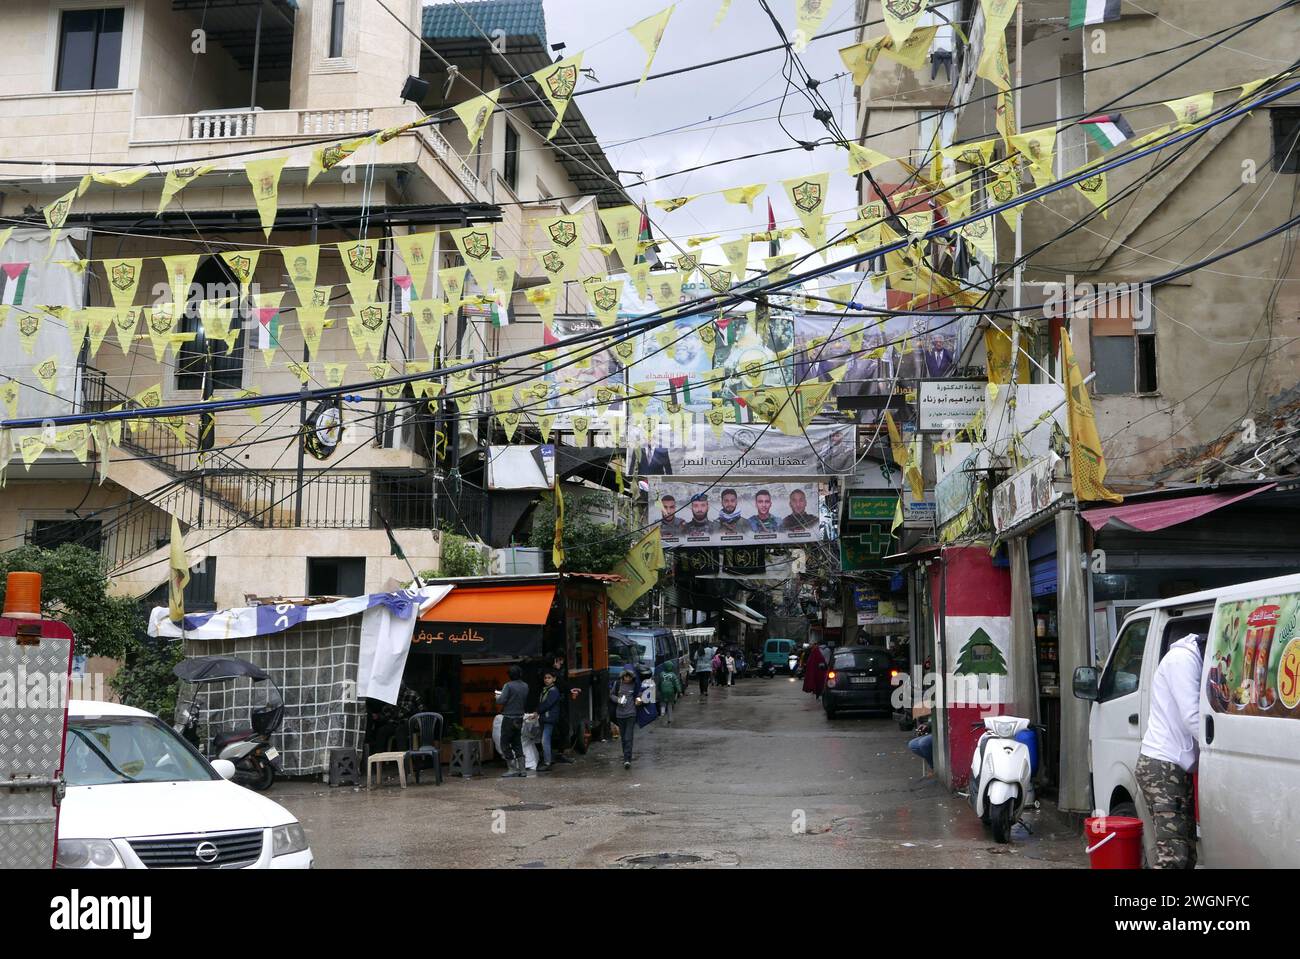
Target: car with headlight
[[141, 797]]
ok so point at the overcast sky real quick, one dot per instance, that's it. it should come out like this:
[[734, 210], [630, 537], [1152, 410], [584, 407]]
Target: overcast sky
[[599, 28]]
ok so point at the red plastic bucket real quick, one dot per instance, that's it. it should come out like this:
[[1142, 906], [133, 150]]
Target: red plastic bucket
[[1114, 842]]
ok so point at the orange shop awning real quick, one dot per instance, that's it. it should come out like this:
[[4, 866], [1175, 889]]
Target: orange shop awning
[[493, 621]]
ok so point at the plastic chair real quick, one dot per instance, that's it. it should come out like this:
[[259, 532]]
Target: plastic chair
[[426, 729]]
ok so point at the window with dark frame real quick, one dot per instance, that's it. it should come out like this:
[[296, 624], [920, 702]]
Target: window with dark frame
[[336, 575], [336, 29], [90, 49], [53, 533], [511, 171], [196, 355], [1123, 357], [1286, 139]]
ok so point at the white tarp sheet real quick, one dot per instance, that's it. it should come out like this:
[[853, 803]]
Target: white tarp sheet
[[387, 623]]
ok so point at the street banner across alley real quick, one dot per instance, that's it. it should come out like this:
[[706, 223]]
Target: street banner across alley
[[691, 514], [748, 449]]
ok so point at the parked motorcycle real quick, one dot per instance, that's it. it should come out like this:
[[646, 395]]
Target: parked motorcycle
[[248, 747], [1001, 775]]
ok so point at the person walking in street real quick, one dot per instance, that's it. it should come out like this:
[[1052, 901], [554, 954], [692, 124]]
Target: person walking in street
[[513, 698], [703, 669], [670, 688], [625, 701], [566, 694], [814, 674], [1170, 752], [548, 714], [719, 669], [730, 662]]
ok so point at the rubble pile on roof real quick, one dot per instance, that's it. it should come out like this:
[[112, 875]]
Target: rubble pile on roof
[[1272, 452]]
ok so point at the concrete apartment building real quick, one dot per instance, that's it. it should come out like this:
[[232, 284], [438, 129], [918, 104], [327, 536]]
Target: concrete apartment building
[[1231, 326], [125, 83]]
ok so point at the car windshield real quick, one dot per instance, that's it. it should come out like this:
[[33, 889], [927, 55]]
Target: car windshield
[[128, 749], [623, 654], [860, 659]]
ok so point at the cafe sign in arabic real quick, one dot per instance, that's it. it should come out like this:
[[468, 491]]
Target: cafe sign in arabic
[[478, 640], [948, 404]]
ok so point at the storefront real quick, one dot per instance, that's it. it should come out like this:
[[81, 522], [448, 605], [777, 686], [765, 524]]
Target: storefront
[[463, 648]]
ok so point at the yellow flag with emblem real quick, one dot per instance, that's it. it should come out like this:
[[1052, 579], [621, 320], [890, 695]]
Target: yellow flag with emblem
[[1087, 463], [264, 175], [557, 544], [557, 83], [179, 575], [639, 570], [475, 114], [650, 33]]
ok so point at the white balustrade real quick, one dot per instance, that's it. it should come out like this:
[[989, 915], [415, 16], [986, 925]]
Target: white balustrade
[[222, 124]]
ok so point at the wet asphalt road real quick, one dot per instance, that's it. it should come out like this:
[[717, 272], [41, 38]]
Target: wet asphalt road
[[725, 785]]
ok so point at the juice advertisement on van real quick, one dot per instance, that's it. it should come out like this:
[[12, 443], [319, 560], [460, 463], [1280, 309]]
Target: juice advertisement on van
[[1255, 657]]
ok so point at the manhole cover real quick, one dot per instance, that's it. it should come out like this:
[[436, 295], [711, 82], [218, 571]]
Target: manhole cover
[[663, 859]]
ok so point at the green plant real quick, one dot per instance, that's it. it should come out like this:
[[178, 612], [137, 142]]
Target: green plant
[[589, 546], [74, 589], [459, 557], [146, 680]]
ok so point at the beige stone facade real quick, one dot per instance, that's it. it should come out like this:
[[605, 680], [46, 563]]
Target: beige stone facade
[[172, 102]]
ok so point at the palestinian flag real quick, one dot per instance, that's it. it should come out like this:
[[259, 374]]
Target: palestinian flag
[[268, 327], [500, 308], [774, 242], [1108, 131], [15, 281], [644, 236], [681, 389], [1087, 12], [403, 284], [727, 327]]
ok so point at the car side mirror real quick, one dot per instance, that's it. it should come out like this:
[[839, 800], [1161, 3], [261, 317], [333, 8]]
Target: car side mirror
[[1085, 683], [224, 767]]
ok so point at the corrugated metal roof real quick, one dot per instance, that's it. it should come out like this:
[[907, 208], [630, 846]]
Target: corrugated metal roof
[[518, 18]]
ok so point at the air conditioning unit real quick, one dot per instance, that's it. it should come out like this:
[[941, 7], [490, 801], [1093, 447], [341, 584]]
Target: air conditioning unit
[[516, 561]]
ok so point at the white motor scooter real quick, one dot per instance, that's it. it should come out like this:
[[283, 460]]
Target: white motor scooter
[[1001, 775]]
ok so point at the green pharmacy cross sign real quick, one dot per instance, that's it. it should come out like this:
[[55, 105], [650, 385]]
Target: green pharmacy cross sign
[[866, 549]]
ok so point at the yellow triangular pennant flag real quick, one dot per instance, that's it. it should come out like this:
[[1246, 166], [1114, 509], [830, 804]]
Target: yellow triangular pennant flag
[[242, 265], [623, 223], [359, 259], [808, 18], [650, 33], [475, 244], [301, 263], [557, 83], [416, 250], [334, 374], [311, 320], [48, 373], [901, 18], [178, 178], [475, 114], [605, 295], [808, 196], [428, 316], [1192, 109], [1039, 148], [180, 271], [744, 194], [264, 175], [123, 280], [862, 159], [328, 157]]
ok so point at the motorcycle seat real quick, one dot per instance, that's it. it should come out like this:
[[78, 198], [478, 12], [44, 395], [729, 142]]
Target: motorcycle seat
[[223, 740]]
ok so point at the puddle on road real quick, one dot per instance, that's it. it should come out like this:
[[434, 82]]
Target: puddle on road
[[661, 859], [522, 807]]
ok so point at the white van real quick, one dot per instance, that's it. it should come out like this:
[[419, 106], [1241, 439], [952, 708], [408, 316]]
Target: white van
[[1249, 730]]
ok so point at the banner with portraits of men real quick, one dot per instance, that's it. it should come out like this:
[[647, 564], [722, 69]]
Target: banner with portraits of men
[[695, 514], [741, 449]]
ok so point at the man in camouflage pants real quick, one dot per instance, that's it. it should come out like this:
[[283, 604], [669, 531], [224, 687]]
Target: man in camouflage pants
[[1170, 751], [1167, 789]]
